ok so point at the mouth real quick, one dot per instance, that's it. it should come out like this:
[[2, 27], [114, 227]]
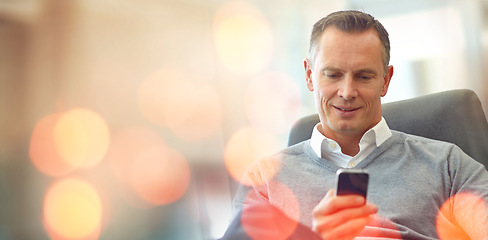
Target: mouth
[[347, 109]]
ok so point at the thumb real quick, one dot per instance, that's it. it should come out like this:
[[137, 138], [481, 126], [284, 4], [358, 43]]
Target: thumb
[[330, 193]]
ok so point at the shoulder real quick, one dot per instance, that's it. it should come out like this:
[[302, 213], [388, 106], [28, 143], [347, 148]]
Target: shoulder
[[297, 149], [423, 147], [414, 140], [288, 154], [417, 149]]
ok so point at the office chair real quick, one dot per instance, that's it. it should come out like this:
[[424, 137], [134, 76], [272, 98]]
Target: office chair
[[454, 116]]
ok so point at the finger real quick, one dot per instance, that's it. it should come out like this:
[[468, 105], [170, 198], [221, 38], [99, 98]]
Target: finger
[[326, 222], [330, 193], [330, 203], [348, 230], [324, 201]]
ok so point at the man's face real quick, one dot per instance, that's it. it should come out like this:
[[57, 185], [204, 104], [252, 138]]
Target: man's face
[[348, 79]]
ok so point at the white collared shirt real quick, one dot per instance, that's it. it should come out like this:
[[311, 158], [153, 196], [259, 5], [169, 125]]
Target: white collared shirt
[[329, 149]]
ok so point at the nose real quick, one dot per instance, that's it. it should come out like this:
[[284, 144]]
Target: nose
[[348, 89]]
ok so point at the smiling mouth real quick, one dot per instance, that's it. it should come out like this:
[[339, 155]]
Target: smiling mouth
[[346, 109]]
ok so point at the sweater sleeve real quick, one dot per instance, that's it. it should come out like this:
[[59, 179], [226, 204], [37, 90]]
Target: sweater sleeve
[[252, 190], [466, 211]]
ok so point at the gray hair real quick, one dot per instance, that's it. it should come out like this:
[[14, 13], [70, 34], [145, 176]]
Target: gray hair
[[350, 21]]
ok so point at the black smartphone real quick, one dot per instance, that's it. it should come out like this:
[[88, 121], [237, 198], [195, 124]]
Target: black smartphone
[[352, 182]]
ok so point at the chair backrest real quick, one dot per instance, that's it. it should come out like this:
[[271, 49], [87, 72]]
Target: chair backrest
[[454, 116]]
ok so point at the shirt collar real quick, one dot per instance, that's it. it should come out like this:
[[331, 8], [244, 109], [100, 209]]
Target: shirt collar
[[376, 135]]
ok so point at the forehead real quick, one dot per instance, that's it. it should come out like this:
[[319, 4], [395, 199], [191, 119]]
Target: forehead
[[349, 49]]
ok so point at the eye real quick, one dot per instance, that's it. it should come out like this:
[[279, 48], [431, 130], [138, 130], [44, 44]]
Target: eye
[[365, 77], [333, 75]]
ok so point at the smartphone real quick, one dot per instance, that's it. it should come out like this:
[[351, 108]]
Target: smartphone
[[352, 182]]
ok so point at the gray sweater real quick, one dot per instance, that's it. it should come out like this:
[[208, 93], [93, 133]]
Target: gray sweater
[[410, 179]]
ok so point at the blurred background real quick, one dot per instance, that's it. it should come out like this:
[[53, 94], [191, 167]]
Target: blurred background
[[125, 119]]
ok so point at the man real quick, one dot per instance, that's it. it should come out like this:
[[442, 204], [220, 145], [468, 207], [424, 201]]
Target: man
[[419, 188]]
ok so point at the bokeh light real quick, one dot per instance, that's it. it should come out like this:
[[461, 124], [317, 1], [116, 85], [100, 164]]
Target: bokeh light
[[127, 144], [246, 146], [72, 210], [43, 150], [211, 63], [82, 138], [276, 224], [243, 39], [272, 102], [470, 214], [169, 98], [63, 142], [160, 175], [153, 172]]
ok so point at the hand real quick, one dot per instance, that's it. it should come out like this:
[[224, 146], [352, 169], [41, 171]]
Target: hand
[[342, 217]]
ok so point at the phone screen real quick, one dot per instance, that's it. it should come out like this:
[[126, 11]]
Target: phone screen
[[352, 182]]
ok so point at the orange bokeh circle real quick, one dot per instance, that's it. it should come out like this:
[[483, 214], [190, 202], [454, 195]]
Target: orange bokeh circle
[[82, 137], [170, 98], [245, 147], [63, 142], [469, 211], [243, 39], [72, 210], [153, 173], [43, 150], [276, 222], [160, 175]]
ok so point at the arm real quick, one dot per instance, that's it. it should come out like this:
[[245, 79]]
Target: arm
[[465, 213]]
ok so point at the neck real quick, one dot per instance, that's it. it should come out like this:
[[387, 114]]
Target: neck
[[349, 142], [349, 145]]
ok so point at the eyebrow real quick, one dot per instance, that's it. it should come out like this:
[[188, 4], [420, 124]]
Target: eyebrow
[[370, 71], [330, 69], [365, 70]]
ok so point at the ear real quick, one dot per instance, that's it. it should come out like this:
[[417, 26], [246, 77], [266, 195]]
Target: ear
[[308, 73], [386, 80]]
